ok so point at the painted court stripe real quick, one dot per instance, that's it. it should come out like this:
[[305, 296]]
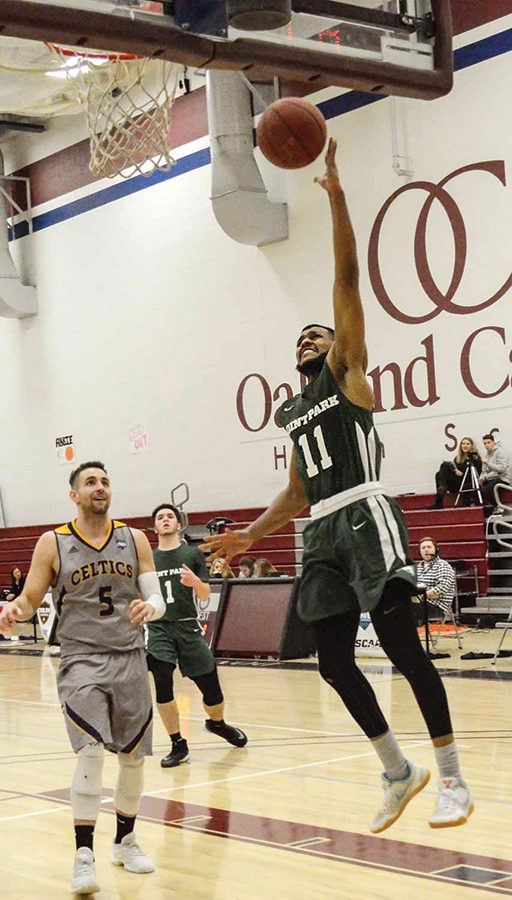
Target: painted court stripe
[[417, 860], [263, 773]]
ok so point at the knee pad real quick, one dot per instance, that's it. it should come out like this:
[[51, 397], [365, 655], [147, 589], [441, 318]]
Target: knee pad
[[210, 688], [86, 783], [163, 675], [130, 782]]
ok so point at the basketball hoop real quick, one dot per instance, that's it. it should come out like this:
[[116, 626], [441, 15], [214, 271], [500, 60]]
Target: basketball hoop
[[128, 101]]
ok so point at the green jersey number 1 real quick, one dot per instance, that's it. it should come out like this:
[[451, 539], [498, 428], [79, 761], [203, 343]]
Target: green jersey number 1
[[168, 592], [325, 460]]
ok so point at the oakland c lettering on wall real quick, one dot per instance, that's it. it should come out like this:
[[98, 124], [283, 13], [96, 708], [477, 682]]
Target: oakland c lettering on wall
[[442, 301], [450, 366]]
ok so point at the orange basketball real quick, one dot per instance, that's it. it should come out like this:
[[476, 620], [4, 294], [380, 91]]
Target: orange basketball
[[292, 133]]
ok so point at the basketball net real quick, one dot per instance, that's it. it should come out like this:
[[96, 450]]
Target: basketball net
[[128, 102]]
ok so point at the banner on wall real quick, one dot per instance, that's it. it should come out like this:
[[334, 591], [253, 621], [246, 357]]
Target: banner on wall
[[138, 439], [367, 642], [65, 449], [207, 612], [47, 618]]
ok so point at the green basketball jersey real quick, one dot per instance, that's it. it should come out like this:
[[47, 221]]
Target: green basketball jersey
[[337, 446], [180, 600], [357, 538]]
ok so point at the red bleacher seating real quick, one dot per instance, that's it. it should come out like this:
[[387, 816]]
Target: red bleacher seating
[[459, 531]]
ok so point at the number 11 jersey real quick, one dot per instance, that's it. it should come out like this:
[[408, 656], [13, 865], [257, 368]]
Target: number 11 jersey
[[356, 540], [337, 446]]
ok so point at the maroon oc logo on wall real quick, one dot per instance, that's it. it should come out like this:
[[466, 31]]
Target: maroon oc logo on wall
[[441, 301]]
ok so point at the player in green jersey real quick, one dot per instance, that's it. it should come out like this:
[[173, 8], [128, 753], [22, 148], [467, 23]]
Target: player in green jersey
[[178, 638], [356, 545]]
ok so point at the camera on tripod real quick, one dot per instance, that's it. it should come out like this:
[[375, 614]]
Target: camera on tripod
[[470, 484]]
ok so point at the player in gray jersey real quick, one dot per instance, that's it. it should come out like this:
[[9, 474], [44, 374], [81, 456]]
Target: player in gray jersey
[[98, 570], [356, 545]]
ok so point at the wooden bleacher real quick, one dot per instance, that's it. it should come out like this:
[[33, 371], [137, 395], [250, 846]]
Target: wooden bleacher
[[459, 531]]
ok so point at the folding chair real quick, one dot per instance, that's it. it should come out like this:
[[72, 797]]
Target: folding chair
[[506, 626], [449, 615]]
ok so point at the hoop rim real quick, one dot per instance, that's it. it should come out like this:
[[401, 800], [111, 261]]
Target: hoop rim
[[110, 55]]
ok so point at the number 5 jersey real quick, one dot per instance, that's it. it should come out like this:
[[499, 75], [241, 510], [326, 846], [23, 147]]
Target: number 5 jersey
[[93, 591]]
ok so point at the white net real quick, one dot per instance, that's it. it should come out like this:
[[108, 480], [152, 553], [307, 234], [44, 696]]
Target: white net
[[128, 104]]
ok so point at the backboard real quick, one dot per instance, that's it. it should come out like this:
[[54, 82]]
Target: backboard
[[400, 47]]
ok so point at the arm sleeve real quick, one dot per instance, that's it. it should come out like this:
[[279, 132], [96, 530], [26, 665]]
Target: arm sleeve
[[149, 586]]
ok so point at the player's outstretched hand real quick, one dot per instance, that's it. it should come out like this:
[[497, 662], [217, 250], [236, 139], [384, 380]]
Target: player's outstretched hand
[[331, 180], [140, 612], [9, 615], [226, 545]]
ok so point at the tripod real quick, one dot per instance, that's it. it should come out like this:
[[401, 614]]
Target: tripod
[[470, 484]]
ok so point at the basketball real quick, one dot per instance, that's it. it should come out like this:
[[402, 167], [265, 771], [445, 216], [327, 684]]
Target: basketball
[[292, 133]]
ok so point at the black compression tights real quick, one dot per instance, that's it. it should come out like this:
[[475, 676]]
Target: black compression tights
[[394, 624]]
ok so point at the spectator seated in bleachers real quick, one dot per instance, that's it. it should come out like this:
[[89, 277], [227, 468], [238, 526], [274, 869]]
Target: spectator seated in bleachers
[[264, 569], [246, 567], [10, 593], [438, 577], [497, 469], [220, 568], [450, 474], [17, 583]]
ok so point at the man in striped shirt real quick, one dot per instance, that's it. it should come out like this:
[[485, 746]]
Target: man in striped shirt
[[436, 575]]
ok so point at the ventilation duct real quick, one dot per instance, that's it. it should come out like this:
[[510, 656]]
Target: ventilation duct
[[17, 300], [239, 196]]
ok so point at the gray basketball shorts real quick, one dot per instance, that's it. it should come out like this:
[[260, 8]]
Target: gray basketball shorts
[[105, 698]]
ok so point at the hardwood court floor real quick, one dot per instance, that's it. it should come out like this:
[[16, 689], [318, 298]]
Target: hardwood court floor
[[284, 818]]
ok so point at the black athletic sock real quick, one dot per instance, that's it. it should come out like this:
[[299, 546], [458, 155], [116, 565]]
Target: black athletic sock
[[176, 738], [216, 723], [84, 836], [125, 825]]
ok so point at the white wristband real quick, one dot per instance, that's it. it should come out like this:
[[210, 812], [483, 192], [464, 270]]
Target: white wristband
[[151, 593]]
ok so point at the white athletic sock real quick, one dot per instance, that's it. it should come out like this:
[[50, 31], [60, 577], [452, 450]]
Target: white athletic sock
[[393, 761], [447, 760]]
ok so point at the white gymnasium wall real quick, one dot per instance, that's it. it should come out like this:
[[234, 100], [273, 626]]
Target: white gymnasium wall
[[150, 314]]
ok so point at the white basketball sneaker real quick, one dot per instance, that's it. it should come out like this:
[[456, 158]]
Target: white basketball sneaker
[[397, 795], [83, 880], [454, 804], [129, 855]]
